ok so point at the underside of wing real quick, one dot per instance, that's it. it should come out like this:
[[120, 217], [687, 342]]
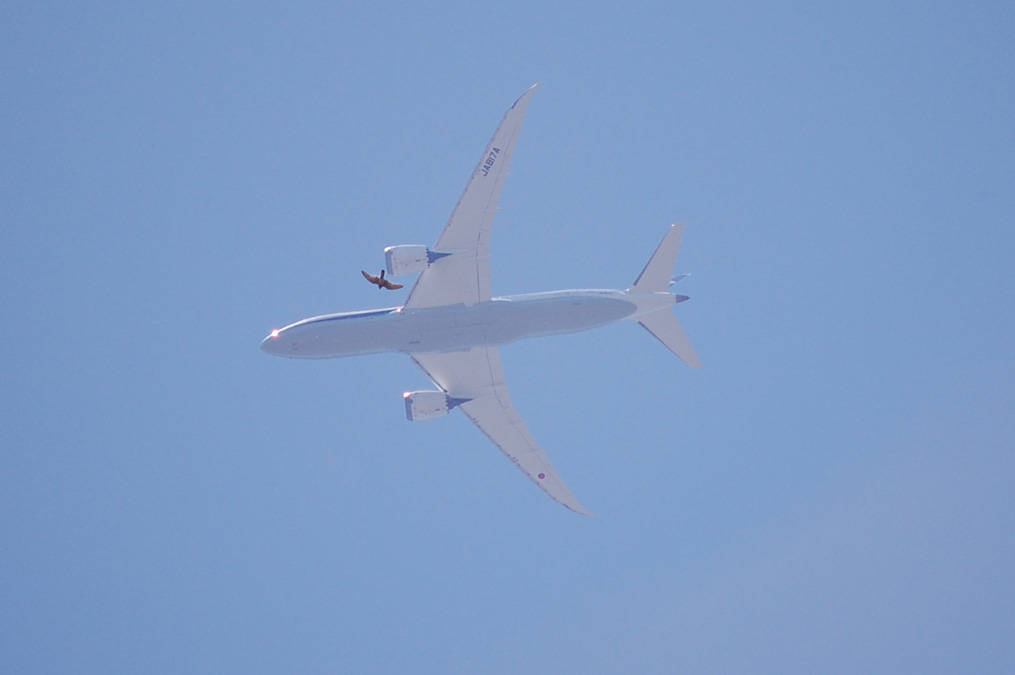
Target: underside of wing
[[476, 377], [461, 271]]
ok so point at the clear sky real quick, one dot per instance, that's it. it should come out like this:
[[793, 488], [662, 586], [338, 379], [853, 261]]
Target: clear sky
[[832, 492]]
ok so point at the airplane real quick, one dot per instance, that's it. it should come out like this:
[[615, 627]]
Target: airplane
[[451, 326]]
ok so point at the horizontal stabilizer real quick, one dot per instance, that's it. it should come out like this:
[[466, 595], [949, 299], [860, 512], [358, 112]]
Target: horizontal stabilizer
[[666, 328]]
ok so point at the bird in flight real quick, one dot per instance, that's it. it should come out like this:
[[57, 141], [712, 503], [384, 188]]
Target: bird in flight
[[381, 281]]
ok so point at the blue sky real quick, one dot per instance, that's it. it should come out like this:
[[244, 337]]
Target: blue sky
[[832, 492]]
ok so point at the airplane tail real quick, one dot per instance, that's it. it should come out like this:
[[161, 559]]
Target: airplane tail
[[656, 278], [666, 328]]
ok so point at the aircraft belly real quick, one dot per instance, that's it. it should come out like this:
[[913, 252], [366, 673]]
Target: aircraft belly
[[450, 328], [570, 314], [498, 322]]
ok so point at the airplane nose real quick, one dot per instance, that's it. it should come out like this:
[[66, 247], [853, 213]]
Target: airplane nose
[[282, 342], [272, 343]]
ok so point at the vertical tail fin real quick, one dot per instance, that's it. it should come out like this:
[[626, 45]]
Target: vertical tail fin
[[655, 278]]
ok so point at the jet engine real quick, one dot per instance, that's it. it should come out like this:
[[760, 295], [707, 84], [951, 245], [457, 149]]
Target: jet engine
[[425, 405], [409, 258], [406, 259]]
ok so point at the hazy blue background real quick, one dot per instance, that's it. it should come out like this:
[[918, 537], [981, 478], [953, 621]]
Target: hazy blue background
[[832, 492]]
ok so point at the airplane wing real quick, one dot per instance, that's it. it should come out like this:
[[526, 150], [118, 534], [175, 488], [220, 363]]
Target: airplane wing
[[476, 375], [460, 272]]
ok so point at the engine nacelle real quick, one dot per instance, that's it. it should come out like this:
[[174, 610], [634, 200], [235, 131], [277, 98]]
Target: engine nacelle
[[425, 405], [406, 259], [410, 258]]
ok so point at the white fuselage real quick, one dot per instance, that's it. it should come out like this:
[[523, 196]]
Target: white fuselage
[[457, 327]]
